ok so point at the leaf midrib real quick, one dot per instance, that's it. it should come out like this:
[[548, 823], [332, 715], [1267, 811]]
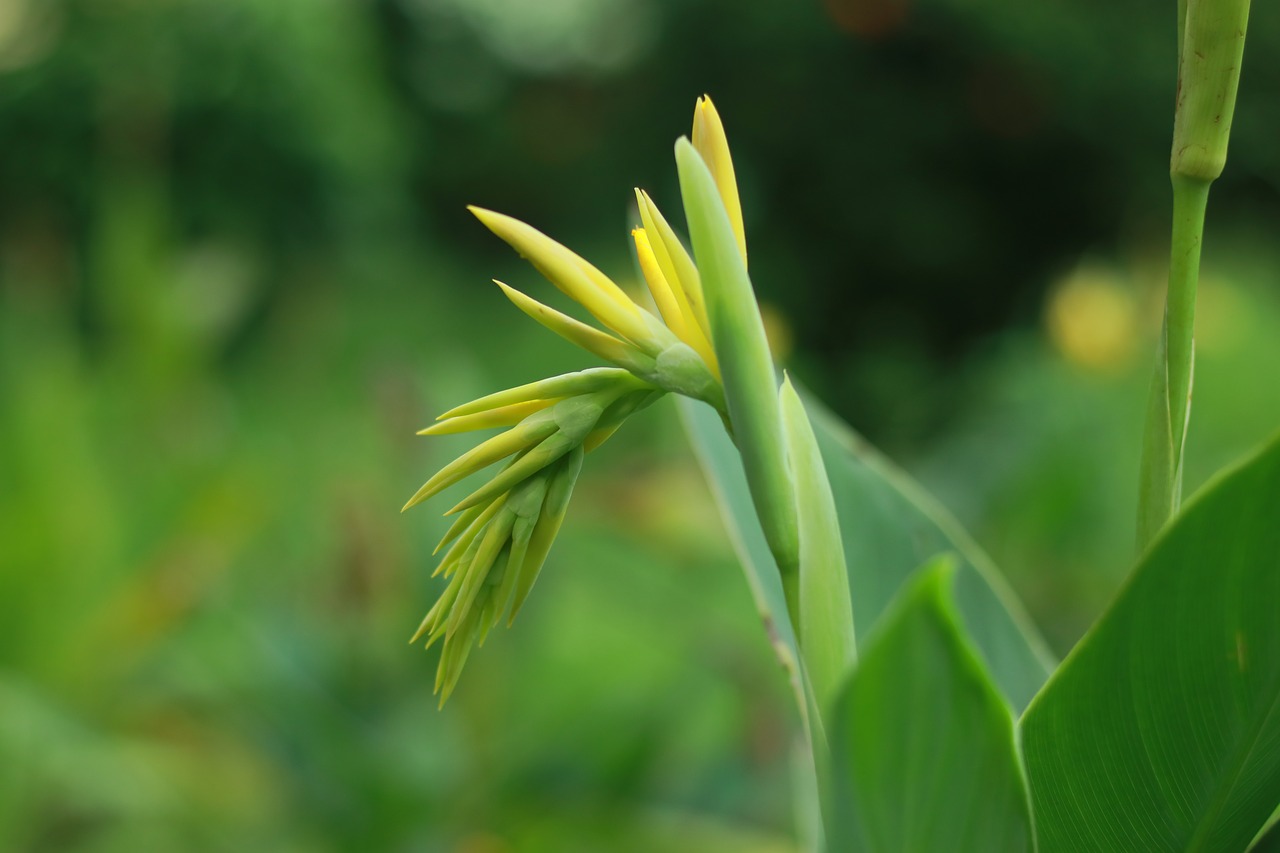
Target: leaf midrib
[[1208, 821]]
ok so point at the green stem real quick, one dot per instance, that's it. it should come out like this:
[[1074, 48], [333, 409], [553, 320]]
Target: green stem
[[791, 591], [1210, 50], [1169, 405], [746, 364], [1190, 197]]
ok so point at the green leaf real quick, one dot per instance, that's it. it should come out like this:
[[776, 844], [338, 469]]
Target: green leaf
[[1161, 731], [826, 615], [890, 526], [923, 749]]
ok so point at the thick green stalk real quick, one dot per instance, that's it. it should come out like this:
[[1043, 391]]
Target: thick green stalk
[[1182, 24], [1169, 404], [750, 381], [1210, 48], [1190, 197]]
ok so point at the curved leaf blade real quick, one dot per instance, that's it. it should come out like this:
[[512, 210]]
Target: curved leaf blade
[[827, 637], [1161, 731], [923, 749], [890, 526]]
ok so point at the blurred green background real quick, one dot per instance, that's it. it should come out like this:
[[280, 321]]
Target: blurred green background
[[236, 275]]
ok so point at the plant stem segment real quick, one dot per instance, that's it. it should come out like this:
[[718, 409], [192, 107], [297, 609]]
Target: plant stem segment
[[1169, 404], [1210, 48], [746, 365], [1190, 197]]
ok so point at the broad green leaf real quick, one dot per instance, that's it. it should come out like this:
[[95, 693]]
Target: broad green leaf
[[924, 755], [890, 526], [1161, 731]]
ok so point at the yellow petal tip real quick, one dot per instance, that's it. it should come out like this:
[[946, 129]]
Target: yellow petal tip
[[491, 219]]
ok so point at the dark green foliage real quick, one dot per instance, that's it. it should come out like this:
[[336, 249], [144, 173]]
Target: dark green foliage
[[923, 748], [1161, 731]]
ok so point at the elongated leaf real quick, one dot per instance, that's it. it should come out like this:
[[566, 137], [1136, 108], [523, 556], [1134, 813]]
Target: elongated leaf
[[890, 526], [826, 615], [1161, 731], [923, 750]]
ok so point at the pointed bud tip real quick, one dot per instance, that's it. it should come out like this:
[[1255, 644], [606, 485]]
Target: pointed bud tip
[[491, 219], [444, 424]]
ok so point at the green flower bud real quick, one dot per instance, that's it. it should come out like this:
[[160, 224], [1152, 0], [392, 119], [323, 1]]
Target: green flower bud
[[564, 385]]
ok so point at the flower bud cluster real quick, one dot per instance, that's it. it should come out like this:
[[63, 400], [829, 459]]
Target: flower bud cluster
[[504, 529]]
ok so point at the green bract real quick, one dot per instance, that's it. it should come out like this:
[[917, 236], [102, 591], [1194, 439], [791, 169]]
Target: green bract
[[825, 612]]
